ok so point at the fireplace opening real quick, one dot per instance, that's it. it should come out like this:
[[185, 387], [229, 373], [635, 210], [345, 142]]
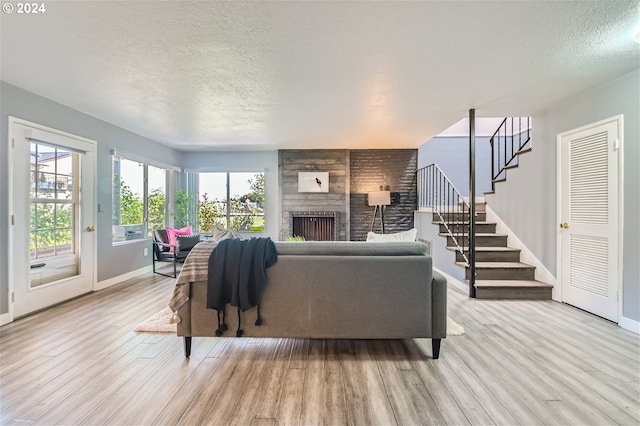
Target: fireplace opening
[[314, 226]]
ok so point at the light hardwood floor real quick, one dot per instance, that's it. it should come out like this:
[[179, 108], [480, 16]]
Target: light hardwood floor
[[519, 362]]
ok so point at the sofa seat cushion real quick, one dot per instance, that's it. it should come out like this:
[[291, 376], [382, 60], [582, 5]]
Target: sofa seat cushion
[[351, 248]]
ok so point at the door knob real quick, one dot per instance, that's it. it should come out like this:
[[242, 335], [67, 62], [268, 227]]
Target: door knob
[[564, 225], [91, 228]]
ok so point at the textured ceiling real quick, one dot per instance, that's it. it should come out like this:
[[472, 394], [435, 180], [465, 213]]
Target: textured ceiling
[[270, 75]]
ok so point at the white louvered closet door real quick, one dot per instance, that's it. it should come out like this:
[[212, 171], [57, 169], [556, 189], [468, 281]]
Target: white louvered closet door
[[589, 229]]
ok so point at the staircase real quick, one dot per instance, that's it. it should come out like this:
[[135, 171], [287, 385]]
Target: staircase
[[499, 272]]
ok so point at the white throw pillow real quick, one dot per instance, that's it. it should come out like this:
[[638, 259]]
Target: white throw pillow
[[409, 235], [219, 233]]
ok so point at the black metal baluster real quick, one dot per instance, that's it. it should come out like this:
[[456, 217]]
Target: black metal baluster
[[512, 126], [519, 135], [504, 161], [498, 158], [440, 193], [493, 167], [448, 202], [432, 185]]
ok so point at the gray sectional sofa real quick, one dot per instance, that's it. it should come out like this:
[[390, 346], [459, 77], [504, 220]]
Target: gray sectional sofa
[[337, 290]]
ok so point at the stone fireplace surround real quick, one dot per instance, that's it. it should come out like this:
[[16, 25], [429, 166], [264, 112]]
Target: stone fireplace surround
[[352, 174]]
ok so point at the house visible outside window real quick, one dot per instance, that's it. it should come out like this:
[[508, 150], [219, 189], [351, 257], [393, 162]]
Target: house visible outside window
[[139, 199], [231, 200]]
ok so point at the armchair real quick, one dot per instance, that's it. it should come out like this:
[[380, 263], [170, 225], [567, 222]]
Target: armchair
[[164, 251]]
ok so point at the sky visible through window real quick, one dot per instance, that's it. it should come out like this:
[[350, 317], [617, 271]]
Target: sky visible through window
[[132, 173], [157, 179], [211, 183], [215, 184]]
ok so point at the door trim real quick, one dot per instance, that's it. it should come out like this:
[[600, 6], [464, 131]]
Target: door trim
[[11, 120], [619, 121]]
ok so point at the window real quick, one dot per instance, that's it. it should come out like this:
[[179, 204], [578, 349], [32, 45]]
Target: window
[[139, 199], [52, 210], [232, 200], [156, 200]]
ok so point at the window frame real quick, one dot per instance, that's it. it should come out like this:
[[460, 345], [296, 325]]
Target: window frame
[[144, 232], [227, 203], [73, 202]]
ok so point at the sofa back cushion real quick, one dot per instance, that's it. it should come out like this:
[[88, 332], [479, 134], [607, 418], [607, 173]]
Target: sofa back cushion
[[351, 248], [409, 235]]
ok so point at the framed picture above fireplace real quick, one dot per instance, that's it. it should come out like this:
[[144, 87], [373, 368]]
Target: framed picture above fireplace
[[313, 181]]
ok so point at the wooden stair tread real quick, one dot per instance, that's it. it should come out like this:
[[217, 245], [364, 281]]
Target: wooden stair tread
[[481, 248], [523, 151], [498, 265], [512, 283], [511, 166], [466, 222], [499, 180], [478, 234], [513, 289]]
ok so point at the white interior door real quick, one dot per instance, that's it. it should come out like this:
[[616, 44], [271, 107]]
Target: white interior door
[[52, 255], [589, 232]]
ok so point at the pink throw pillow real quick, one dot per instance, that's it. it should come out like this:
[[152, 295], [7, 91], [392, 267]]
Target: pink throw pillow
[[172, 233]]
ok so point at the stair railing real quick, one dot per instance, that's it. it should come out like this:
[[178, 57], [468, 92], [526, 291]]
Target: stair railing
[[436, 191], [512, 137]]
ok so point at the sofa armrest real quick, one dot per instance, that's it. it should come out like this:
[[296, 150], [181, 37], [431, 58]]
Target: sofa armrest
[[439, 305]]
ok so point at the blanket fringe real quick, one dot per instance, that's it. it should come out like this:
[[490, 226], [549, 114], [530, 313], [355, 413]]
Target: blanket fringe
[[222, 326], [239, 331], [259, 318], [175, 318]]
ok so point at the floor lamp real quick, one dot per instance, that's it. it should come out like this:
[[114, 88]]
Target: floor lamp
[[379, 199]]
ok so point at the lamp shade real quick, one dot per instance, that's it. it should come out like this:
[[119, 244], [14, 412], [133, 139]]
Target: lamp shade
[[379, 198]]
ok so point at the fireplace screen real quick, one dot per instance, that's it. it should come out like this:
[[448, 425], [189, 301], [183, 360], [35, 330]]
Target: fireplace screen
[[314, 226]]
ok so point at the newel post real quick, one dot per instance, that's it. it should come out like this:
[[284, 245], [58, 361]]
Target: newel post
[[472, 203]]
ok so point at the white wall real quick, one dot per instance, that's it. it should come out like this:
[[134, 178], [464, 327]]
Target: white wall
[[112, 260], [527, 200], [250, 161], [443, 259]]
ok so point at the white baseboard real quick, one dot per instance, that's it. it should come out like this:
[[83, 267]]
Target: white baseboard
[[120, 278], [629, 324], [454, 281], [5, 319]]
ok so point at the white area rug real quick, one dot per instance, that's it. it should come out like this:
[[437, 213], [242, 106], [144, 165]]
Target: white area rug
[[453, 328], [159, 323]]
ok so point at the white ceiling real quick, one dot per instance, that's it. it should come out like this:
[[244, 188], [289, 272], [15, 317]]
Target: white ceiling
[[273, 75]]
